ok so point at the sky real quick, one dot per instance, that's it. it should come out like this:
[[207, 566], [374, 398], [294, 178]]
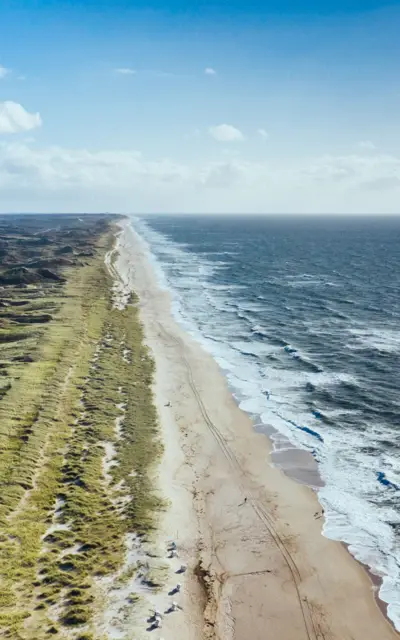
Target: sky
[[246, 106]]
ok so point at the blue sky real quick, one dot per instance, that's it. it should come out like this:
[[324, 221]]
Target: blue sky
[[108, 105]]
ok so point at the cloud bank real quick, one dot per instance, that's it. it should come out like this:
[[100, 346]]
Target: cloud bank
[[59, 179]]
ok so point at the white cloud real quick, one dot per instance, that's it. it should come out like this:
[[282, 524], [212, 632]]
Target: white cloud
[[4, 72], [14, 118], [125, 71], [264, 134], [355, 171], [209, 71], [367, 145], [226, 133], [225, 174], [60, 179]]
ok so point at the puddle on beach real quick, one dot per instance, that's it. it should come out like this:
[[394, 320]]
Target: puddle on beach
[[297, 464]]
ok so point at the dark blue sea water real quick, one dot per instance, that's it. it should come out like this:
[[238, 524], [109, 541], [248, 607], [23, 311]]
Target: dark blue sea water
[[303, 316]]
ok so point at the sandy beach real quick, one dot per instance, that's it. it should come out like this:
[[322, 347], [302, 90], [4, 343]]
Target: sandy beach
[[258, 566]]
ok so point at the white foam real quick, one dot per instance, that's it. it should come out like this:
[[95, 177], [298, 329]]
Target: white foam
[[379, 338]]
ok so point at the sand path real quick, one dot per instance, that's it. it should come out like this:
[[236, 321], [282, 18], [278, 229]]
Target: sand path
[[259, 567]]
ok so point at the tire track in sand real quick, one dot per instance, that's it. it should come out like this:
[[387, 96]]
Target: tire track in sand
[[260, 511]]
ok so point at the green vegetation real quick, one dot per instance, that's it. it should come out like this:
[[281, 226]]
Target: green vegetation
[[78, 440]]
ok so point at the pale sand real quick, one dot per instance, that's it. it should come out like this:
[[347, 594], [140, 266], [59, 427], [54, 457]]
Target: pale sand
[[272, 575]]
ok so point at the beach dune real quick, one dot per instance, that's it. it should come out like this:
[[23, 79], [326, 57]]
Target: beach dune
[[258, 566]]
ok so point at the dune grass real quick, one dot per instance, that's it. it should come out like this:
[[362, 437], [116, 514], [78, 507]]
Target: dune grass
[[61, 525]]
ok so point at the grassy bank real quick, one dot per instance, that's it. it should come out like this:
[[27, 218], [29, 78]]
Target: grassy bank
[[78, 443]]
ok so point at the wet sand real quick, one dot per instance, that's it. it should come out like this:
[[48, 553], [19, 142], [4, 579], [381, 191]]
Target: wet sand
[[258, 565]]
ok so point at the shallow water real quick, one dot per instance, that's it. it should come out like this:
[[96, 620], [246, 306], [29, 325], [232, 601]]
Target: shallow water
[[303, 317]]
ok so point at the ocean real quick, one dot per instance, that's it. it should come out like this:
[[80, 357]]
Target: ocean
[[302, 315]]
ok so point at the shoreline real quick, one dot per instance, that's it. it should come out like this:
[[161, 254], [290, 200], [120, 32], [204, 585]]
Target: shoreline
[[330, 592]]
